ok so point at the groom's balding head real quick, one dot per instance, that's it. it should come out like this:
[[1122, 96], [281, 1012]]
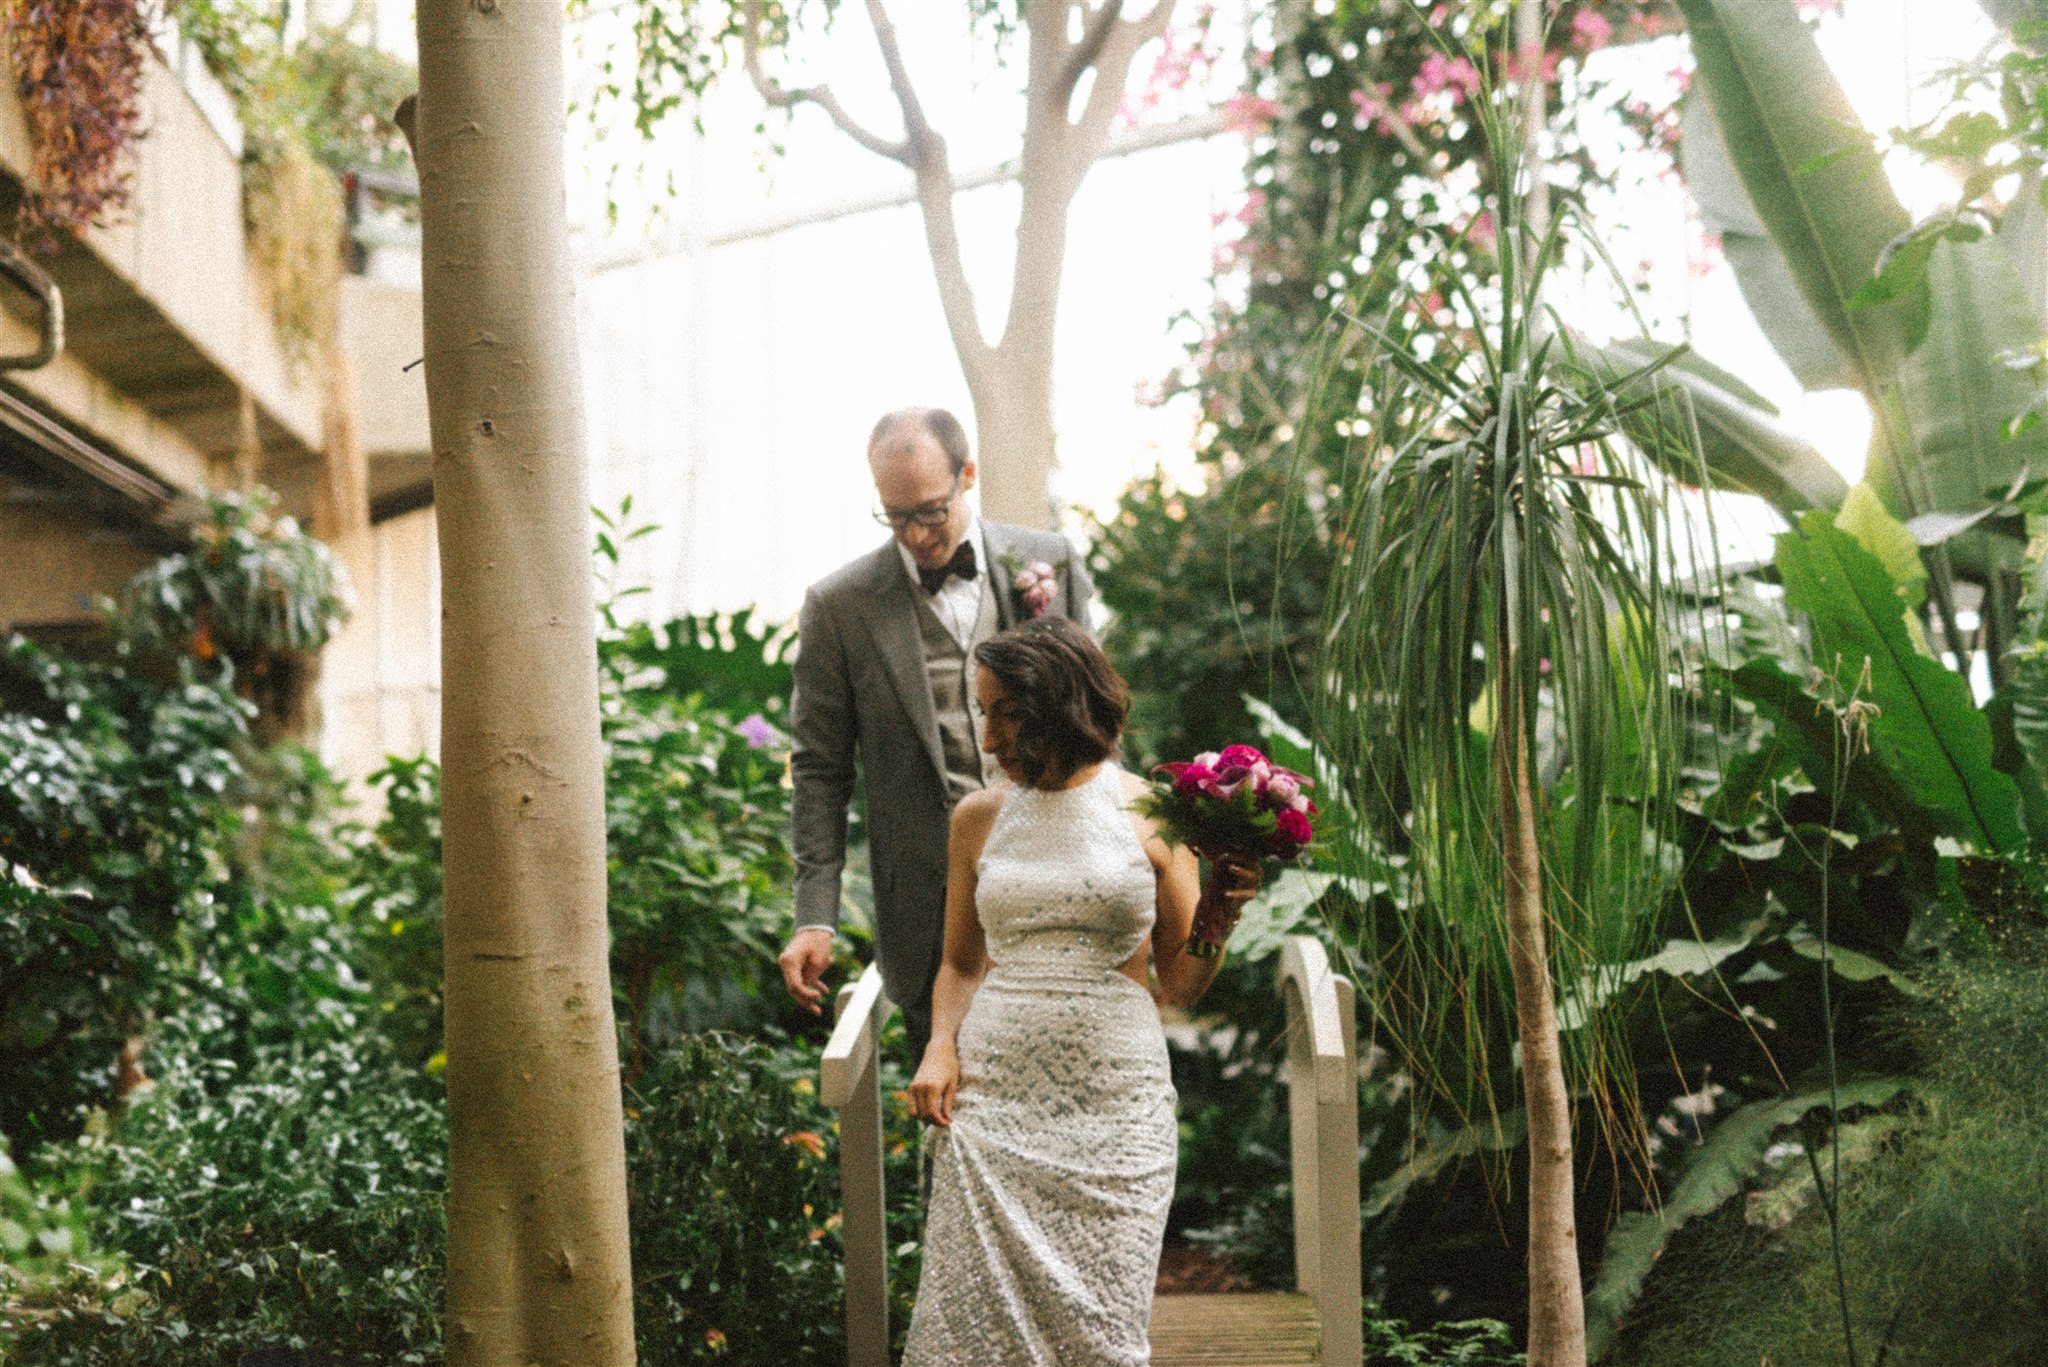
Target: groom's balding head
[[922, 472], [907, 431]]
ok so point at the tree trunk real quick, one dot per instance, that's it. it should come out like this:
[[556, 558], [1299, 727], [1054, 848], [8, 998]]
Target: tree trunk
[[1013, 431], [1557, 1313], [538, 1263]]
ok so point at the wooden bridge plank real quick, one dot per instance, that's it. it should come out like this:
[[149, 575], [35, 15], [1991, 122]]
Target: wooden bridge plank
[[1235, 1330]]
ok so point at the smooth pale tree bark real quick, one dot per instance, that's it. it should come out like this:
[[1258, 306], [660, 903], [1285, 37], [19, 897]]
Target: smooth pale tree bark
[[538, 1262], [1557, 1311], [1009, 380]]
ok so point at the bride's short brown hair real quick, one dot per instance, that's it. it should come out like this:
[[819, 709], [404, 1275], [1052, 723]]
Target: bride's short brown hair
[[1069, 702]]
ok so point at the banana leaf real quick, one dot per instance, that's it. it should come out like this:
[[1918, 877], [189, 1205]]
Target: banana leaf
[[1810, 174], [1959, 392], [1745, 448], [1788, 322]]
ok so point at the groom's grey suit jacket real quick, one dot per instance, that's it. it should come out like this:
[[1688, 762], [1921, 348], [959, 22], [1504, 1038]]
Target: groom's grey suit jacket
[[862, 689]]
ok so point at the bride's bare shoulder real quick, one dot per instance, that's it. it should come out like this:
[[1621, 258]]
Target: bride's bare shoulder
[[978, 808]]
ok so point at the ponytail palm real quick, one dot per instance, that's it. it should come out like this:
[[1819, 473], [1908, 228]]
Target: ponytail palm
[[1495, 691]]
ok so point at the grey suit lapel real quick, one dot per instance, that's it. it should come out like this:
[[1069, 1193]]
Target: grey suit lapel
[[892, 621], [994, 546]]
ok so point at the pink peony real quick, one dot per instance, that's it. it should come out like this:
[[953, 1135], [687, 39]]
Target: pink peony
[[1284, 788], [1191, 779], [1291, 831], [1209, 759], [1239, 756], [1229, 779]]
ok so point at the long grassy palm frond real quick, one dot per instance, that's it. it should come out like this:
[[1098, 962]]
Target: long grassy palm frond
[[1490, 498]]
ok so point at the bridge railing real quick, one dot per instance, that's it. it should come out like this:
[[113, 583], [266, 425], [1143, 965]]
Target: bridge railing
[[1322, 1120], [1322, 1073], [850, 1081]]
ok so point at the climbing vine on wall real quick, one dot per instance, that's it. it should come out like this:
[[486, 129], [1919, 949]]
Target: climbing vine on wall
[[77, 66]]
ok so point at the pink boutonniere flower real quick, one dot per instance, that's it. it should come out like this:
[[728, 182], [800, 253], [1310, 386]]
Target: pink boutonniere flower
[[1035, 584]]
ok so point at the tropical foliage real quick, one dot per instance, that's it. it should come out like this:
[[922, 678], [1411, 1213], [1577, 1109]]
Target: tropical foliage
[[1358, 124]]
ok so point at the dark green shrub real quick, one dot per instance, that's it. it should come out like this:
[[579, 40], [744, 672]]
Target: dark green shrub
[[1944, 1219], [294, 1201], [114, 798], [734, 1195], [395, 898]]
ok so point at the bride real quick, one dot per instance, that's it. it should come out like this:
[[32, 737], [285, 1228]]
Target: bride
[[1046, 1075]]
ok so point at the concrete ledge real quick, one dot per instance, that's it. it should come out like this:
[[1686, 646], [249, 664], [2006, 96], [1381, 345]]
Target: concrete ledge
[[165, 306]]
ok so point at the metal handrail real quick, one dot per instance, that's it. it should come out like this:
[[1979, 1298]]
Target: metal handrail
[[850, 1081], [1322, 1113], [36, 283]]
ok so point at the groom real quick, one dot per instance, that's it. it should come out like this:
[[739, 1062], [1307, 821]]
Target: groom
[[885, 672]]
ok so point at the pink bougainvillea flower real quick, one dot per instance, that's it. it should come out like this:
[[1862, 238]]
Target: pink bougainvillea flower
[[1250, 115], [1454, 74]]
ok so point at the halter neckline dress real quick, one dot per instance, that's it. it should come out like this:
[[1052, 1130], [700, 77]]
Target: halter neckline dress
[[1050, 1188]]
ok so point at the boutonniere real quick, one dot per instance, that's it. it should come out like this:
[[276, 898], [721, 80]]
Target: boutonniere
[[1034, 584]]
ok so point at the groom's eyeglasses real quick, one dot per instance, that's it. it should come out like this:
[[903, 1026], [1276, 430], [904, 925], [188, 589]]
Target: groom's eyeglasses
[[926, 515]]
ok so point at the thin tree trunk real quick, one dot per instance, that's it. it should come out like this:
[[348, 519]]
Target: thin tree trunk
[[1013, 431], [1557, 1313], [538, 1263]]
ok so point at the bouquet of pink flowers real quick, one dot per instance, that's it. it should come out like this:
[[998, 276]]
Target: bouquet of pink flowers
[[1232, 806]]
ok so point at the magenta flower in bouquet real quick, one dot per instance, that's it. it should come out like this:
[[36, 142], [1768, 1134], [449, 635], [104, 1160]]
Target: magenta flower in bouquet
[[1229, 806]]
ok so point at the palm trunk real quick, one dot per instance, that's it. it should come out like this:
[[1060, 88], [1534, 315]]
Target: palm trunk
[[1557, 1314], [538, 1263]]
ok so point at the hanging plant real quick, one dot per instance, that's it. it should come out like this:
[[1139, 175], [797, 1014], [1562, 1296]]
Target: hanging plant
[[77, 67]]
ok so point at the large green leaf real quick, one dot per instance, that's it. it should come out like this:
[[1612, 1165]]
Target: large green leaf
[[1926, 730], [1809, 736], [1734, 1152], [1761, 274], [1810, 174], [1863, 516], [1958, 393], [1746, 449]]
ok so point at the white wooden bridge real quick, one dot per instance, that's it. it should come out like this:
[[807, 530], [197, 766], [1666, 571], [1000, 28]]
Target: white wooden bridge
[[1320, 1323]]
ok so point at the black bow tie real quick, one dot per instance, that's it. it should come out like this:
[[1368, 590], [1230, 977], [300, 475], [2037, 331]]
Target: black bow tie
[[961, 564]]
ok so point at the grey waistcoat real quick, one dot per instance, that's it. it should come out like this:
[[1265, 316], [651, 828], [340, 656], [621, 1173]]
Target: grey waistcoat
[[950, 668]]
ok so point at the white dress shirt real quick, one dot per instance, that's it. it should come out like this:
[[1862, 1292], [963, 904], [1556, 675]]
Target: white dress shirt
[[958, 602]]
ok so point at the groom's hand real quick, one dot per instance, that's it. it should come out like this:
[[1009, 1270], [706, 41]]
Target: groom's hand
[[804, 961]]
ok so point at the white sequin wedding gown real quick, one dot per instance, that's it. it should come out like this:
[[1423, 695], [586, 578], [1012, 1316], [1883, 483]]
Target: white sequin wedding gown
[[1050, 1188]]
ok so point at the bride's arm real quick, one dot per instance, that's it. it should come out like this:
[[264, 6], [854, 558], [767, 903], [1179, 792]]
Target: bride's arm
[[961, 964], [1184, 977]]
